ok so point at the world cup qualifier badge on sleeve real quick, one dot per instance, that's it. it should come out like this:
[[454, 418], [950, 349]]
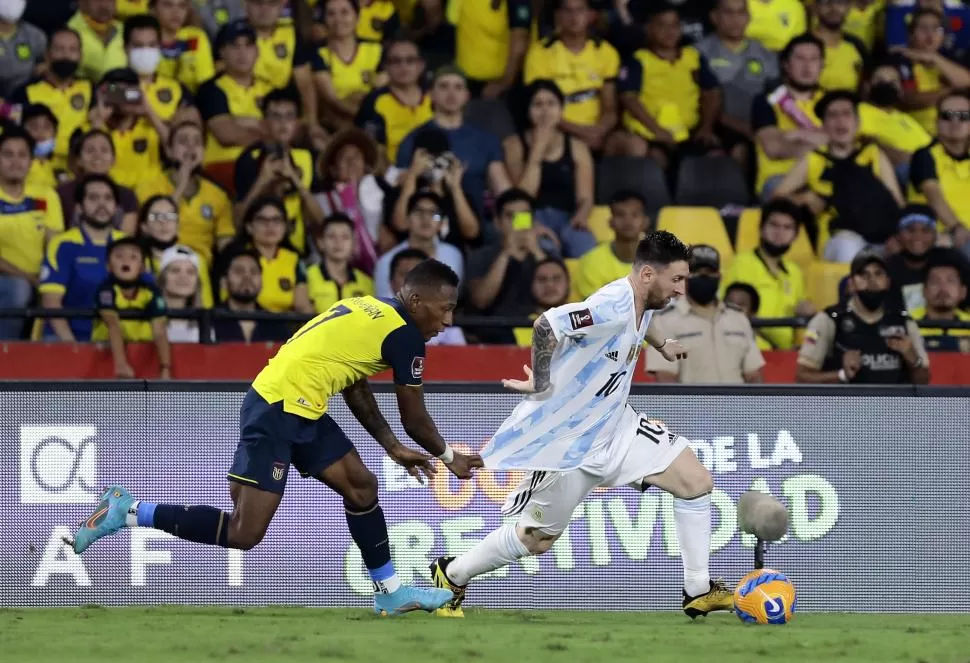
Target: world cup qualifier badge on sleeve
[[417, 368], [580, 319]]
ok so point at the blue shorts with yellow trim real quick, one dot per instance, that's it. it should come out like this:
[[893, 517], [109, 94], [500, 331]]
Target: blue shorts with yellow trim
[[270, 440]]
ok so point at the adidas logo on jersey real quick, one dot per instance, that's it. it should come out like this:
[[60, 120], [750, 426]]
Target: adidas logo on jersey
[[613, 355]]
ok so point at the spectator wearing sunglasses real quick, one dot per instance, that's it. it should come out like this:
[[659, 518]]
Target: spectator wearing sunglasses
[[940, 172]]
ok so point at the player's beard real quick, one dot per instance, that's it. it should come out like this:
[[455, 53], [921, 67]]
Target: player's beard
[[654, 300]]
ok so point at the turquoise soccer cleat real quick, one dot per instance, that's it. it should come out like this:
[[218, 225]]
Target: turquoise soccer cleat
[[408, 599], [107, 519]]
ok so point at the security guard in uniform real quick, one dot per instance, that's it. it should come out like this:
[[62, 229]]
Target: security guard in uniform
[[864, 341], [721, 346]]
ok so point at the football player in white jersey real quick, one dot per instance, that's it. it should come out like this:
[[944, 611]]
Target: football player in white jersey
[[574, 431]]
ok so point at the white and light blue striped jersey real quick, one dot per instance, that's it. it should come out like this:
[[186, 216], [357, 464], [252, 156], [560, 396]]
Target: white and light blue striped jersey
[[591, 373]]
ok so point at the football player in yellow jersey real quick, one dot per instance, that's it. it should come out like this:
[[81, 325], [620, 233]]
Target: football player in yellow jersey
[[284, 421]]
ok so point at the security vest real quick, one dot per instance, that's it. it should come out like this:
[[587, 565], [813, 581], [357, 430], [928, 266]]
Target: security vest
[[880, 364]]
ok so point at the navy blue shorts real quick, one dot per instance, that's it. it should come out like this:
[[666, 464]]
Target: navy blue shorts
[[271, 439]]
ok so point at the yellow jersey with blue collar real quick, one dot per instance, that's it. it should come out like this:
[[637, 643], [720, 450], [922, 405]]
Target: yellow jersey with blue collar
[[69, 104], [389, 120], [221, 96], [166, 95], [188, 59], [484, 29], [952, 173], [353, 340], [143, 297], [354, 76], [281, 274], [279, 55], [944, 340], [775, 22], [324, 291], [24, 224], [892, 128]]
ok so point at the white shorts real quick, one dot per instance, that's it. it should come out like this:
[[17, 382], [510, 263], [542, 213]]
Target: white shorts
[[641, 447]]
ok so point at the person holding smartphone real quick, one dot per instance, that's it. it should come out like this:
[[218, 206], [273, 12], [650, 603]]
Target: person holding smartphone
[[500, 275]]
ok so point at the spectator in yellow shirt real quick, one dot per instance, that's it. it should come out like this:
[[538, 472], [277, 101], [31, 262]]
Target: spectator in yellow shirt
[[492, 38], [29, 216], [584, 67], [41, 124], [845, 55], [168, 98], [945, 291], [780, 284], [102, 45], [93, 153], [776, 22], [186, 51], [866, 21], [613, 260], [333, 278]]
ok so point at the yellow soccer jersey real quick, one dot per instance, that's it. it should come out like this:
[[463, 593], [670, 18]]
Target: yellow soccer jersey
[[355, 339]]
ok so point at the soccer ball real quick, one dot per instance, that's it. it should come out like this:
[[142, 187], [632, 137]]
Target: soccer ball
[[765, 596]]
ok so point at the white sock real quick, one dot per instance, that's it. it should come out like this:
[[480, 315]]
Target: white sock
[[500, 547], [693, 518], [387, 585], [131, 520]]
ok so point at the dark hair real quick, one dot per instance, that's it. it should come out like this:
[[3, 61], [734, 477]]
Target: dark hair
[[513, 195], [658, 7], [172, 132], [146, 207], [406, 254], [13, 132], [920, 13], [660, 248], [125, 241], [529, 93], [230, 257], [551, 260], [353, 3], [748, 289], [946, 258], [81, 188], [431, 274], [781, 206], [624, 195], [336, 219], [958, 93], [829, 98], [401, 38], [425, 194], [284, 95], [141, 22], [78, 140], [795, 42], [63, 30], [33, 111], [257, 205]]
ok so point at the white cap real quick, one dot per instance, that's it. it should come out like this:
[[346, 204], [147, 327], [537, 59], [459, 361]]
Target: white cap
[[176, 253]]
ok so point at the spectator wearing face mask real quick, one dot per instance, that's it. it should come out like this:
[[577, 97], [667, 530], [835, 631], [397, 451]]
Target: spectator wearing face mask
[[41, 124], [205, 211], [945, 291], [23, 47], [76, 261], [181, 288], [93, 153], [549, 288], [779, 282], [60, 89], [866, 340], [402, 263], [128, 289], [334, 278], [165, 95], [242, 283], [721, 346]]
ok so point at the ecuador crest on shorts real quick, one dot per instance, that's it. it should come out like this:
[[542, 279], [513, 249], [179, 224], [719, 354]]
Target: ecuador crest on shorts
[[279, 469]]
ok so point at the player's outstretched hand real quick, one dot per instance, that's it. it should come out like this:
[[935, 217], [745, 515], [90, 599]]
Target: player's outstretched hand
[[522, 386], [672, 350], [462, 465], [417, 464]]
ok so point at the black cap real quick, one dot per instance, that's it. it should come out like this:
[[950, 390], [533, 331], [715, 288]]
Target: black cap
[[121, 75], [704, 255], [233, 30], [865, 258]]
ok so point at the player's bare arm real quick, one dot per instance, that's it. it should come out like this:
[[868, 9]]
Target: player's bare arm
[[543, 346], [361, 402], [421, 428], [668, 347]]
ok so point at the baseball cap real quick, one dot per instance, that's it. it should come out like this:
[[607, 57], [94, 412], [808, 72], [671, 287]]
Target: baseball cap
[[917, 214], [865, 258], [175, 253], [233, 30], [704, 255]]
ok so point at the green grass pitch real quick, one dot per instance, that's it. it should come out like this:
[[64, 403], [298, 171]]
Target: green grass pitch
[[149, 635]]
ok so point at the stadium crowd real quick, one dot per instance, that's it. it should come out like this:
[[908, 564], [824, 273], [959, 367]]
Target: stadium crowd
[[278, 155]]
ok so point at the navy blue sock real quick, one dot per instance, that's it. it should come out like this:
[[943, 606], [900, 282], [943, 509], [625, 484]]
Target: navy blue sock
[[200, 524], [369, 531]]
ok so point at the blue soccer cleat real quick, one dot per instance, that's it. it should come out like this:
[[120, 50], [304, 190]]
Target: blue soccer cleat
[[408, 599], [107, 519]]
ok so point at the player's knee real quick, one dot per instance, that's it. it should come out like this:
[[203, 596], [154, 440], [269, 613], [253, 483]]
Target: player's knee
[[361, 490], [535, 540], [243, 538]]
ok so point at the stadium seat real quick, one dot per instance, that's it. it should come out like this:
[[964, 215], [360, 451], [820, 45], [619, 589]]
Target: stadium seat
[[492, 115], [822, 282], [749, 233], [599, 224], [572, 266], [710, 182], [641, 175], [698, 225]]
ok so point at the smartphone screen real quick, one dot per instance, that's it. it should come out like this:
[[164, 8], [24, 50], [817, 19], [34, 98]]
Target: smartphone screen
[[522, 221]]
